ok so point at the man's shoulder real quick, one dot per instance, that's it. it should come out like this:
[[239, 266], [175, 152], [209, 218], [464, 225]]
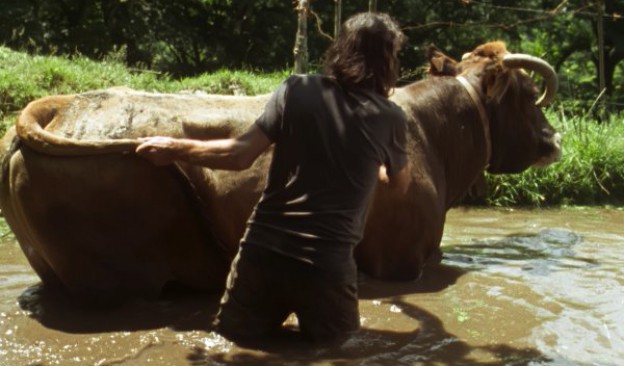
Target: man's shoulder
[[311, 81], [311, 89], [380, 106]]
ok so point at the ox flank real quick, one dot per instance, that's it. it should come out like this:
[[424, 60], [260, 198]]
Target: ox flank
[[99, 221]]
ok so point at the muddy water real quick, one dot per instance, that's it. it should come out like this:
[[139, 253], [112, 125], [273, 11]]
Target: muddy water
[[516, 288]]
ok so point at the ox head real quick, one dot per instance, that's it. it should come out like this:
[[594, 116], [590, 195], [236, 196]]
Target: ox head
[[520, 134]]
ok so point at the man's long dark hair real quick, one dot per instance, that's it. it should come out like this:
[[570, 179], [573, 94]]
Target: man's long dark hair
[[364, 55]]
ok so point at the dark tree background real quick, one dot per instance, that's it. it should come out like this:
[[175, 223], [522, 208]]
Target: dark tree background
[[189, 37]]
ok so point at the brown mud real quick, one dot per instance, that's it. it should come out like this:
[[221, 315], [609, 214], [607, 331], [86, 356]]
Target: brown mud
[[516, 287]]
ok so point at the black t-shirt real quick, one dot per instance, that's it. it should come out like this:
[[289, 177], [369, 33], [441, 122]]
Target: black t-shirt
[[329, 145]]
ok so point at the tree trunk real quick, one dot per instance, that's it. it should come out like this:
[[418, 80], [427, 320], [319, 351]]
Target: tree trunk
[[372, 6], [601, 59], [337, 17], [300, 51]]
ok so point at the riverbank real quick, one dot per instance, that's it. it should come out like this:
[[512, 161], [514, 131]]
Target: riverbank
[[591, 171]]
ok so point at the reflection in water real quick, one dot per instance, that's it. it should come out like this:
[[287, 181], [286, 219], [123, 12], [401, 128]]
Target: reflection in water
[[539, 252], [515, 288]]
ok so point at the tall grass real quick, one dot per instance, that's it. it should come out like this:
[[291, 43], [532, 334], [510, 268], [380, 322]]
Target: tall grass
[[591, 170]]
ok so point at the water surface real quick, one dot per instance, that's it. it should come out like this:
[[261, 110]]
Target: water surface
[[517, 287]]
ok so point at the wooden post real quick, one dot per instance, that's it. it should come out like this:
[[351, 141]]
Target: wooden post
[[601, 58], [372, 6], [300, 51], [337, 17]]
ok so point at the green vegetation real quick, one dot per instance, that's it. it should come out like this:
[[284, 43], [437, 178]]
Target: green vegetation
[[24, 78], [192, 37], [591, 170]]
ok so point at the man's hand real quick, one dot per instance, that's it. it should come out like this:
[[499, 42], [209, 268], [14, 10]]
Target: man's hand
[[160, 150], [398, 182], [383, 176]]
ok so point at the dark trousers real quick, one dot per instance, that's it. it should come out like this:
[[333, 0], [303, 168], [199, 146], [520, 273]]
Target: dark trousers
[[265, 287]]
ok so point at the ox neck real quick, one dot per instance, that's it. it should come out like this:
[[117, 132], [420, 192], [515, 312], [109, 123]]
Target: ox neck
[[476, 99]]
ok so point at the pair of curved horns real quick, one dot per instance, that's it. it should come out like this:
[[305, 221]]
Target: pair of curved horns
[[532, 63]]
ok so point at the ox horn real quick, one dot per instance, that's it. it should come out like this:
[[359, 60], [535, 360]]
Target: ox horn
[[532, 63]]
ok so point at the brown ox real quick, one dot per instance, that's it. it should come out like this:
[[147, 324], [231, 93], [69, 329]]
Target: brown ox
[[92, 216]]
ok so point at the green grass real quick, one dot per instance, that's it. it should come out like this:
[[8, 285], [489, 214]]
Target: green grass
[[24, 78], [591, 171]]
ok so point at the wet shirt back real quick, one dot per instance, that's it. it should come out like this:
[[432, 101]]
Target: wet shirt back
[[329, 145]]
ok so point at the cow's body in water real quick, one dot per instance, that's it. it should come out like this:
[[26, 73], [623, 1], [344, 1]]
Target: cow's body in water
[[100, 221]]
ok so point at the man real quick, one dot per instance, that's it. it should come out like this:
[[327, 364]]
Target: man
[[335, 137]]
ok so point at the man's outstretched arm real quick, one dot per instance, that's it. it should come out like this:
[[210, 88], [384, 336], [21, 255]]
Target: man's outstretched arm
[[228, 154]]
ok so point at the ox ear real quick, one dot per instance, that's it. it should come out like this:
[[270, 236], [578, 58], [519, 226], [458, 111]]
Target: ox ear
[[496, 85], [440, 64]]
